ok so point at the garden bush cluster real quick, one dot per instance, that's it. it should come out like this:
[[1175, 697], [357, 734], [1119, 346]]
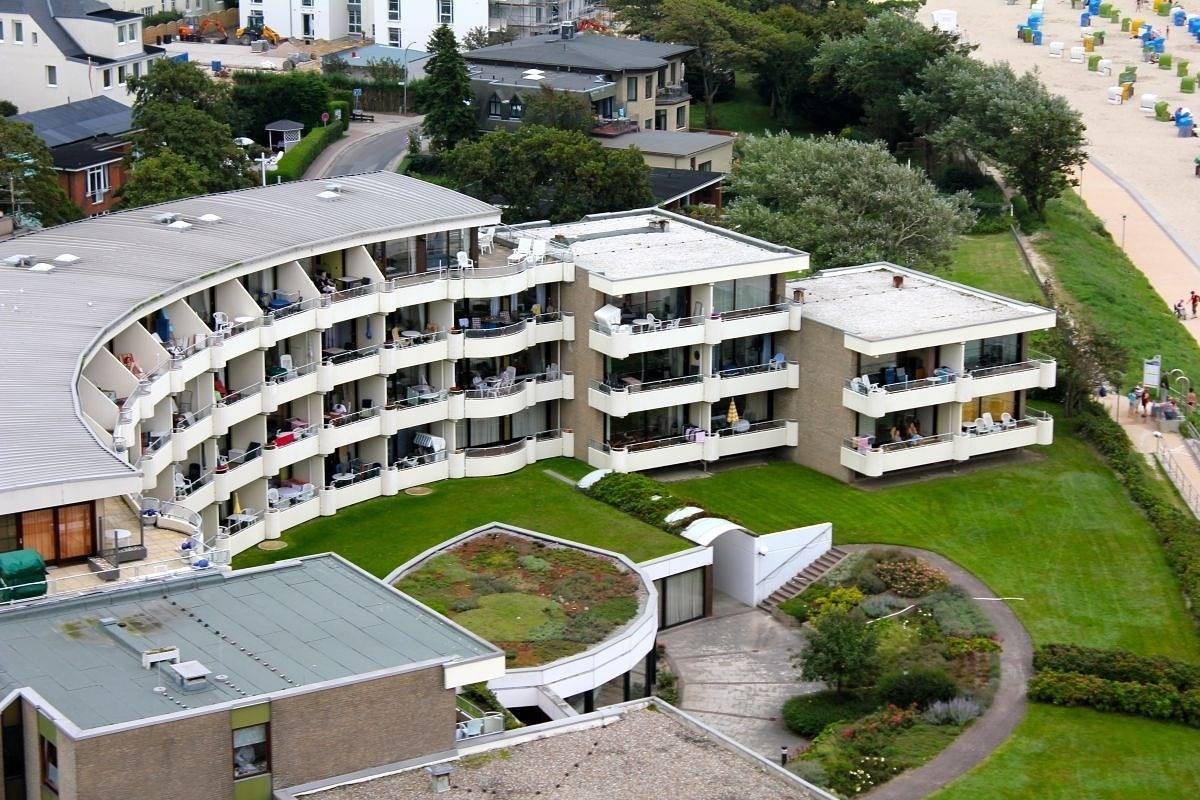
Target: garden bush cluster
[[1117, 665], [1178, 531], [644, 498], [909, 577]]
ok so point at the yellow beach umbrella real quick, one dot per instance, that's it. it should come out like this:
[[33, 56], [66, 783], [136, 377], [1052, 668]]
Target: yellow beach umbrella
[[237, 504], [732, 416]]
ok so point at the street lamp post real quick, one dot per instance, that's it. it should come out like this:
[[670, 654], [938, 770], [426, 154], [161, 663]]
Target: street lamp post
[[1122, 231], [404, 110]]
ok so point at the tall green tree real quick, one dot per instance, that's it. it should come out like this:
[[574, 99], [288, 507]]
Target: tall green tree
[[843, 201], [987, 110], [449, 117], [191, 133], [549, 173], [480, 36], [636, 17], [881, 63], [181, 82], [161, 178], [842, 651], [264, 97], [28, 180], [725, 39], [563, 110]]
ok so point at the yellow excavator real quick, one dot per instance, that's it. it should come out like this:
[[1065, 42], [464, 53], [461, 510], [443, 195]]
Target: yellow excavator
[[252, 33]]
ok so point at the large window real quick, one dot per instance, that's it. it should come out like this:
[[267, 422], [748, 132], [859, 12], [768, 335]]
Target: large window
[[681, 121], [643, 426], [649, 86], [746, 351], [891, 368], [394, 37], [631, 86], [742, 293], [445, 12], [62, 534], [120, 34], [992, 352], [751, 408], [49, 759], [995, 404], [656, 365], [354, 16], [19, 32], [393, 10], [494, 107], [910, 425], [515, 109], [662, 303], [681, 597], [97, 183], [251, 751]]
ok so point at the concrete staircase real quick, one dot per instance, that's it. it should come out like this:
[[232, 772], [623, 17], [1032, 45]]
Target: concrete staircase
[[813, 572]]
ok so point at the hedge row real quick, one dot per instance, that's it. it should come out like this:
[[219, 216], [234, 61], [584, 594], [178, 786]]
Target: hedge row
[[644, 498], [1153, 700], [1117, 665], [300, 156], [1178, 530]]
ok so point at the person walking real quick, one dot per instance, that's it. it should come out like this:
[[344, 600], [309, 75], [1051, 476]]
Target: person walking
[[1195, 298], [1133, 396], [1146, 409]]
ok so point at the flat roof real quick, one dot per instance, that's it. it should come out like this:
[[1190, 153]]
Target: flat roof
[[592, 51], [267, 630], [622, 246], [862, 302], [129, 264], [668, 143], [642, 753], [668, 185], [560, 80]]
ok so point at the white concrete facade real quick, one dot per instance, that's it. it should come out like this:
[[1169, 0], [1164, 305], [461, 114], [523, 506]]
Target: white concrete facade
[[403, 22]]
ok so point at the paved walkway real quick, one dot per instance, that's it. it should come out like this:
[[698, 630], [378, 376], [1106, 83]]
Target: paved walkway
[[1007, 708], [366, 147], [735, 673]]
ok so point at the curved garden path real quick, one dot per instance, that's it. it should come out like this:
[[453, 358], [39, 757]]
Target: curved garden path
[[1007, 708]]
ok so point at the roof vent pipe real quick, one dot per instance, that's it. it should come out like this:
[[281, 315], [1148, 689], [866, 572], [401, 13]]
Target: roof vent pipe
[[898, 281]]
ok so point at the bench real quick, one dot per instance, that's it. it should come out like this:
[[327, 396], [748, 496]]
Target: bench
[[358, 116]]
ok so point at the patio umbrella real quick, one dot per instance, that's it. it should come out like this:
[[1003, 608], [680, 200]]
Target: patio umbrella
[[731, 416], [237, 504]]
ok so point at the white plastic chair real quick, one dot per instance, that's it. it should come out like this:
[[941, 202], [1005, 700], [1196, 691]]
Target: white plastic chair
[[307, 491], [537, 253], [272, 497], [1056, 49], [1007, 421], [464, 261], [182, 486], [487, 240], [1077, 55], [221, 321], [989, 422], [524, 246], [285, 364], [652, 322], [981, 426]]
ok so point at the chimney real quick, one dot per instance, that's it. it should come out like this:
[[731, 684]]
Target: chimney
[[898, 281]]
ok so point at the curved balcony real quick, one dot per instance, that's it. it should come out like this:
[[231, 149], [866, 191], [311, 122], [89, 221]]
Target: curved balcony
[[414, 411], [284, 323], [859, 455], [748, 380], [876, 400], [634, 395], [156, 456], [621, 341], [235, 469], [737, 323], [495, 342], [191, 428], [345, 366], [500, 400], [291, 385], [483, 462], [236, 407], [413, 351], [356, 301], [1036, 373], [651, 454], [290, 448], [235, 340], [757, 436], [346, 429]]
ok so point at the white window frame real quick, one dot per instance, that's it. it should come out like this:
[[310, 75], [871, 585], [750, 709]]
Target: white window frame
[[122, 75], [137, 69], [353, 7], [18, 32], [52, 75], [445, 9], [394, 37], [106, 79], [393, 10], [255, 18], [97, 183], [120, 34]]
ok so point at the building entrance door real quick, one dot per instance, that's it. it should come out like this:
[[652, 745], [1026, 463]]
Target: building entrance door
[[60, 535]]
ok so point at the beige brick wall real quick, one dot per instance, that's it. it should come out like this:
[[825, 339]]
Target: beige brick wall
[[578, 357], [189, 759], [347, 728], [825, 364]]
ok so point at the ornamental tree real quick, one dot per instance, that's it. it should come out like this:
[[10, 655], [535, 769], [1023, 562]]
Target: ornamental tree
[[842, 651], [449, 117]]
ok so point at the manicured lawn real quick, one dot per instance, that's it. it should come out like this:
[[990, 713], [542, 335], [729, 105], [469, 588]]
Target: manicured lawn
[[1060, 533], [1074, 753], [992, 262], [1111, 292], [381, 534]]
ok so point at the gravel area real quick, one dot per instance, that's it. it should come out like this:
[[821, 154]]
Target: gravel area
[[642, 756]]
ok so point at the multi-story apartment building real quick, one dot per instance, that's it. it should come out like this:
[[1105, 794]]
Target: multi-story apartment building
[[227, 685], [903, 370], [59, 52], [629, 80], [533, 17], [397, 23], [240, 363]]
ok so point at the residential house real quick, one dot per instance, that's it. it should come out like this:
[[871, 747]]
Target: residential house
[[678, 189], [682, 149], [59, 51], [88, 141]]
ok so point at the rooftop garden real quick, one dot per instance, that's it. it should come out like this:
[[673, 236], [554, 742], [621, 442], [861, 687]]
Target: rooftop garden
[[538, 601]]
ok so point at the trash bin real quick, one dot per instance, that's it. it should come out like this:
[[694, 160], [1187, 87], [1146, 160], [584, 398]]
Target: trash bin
[[1037, 38]]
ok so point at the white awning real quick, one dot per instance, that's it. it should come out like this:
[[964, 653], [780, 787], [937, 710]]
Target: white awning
[[609, 314]]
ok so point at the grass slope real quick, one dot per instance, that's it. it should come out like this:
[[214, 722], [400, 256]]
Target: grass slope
[[743, 112], [381, 534], [992, 261], [1059, 532], [1072, 753]]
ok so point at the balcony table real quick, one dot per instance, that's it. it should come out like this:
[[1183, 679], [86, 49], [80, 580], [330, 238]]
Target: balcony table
[[243, 320]]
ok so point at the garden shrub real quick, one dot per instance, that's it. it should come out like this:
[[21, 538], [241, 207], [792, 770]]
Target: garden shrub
[[296, 161], [534, 563], [957, 646], [483, 699], [488, 584], [919, 686], [955, 711], [882, 605], [1153, 700], [958, 615], [615, 609], [586, 628], [464, 604], [839, 599], [800, 606], [1116, 665], [910, 577], [811, 771], [642, 497], [808, 714], [667, 686]]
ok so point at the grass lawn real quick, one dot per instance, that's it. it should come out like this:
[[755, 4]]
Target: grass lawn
[[1073, 753], [744, 112], [1111, 292], [1059, 532], [992, 262], [381, 534]]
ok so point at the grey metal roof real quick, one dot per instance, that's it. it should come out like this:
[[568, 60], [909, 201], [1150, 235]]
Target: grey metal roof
[[312, 620], [44, 13], [561, 80], [83, 119], [48, 321], [585, 51], [284, 125], [671, 143], [668, 185]]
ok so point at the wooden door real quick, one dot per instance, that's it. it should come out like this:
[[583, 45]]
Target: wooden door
[[75, 539], [37, 533]]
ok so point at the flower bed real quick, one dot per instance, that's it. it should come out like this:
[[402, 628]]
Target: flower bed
[[539, 602], [911, 661]]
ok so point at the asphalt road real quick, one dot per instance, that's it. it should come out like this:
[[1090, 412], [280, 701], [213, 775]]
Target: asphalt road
[[370, 154]]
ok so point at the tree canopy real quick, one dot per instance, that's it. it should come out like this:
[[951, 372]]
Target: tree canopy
[[843, 201], [160, 178], [261, 98], [842, 651], [449, 117], [479, 36], [26, 167], [564, 110], [549, 173]]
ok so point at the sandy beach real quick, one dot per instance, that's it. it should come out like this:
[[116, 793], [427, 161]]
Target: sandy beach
[[1140, 151]]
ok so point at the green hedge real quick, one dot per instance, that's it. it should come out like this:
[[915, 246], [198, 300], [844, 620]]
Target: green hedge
[[644, 498], [296, 161], [1153, 700], [808, 714], [1117, 665], [1178, 530]]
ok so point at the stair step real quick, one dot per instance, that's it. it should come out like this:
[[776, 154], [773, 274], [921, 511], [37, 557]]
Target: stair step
[[806, 577]]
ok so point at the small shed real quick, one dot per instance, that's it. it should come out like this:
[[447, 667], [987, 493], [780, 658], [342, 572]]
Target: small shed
[[283, 133]]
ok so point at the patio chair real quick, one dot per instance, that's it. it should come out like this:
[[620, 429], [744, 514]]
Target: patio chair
[[990, 422], [221, 322], [981, 426], [464, 261], [538, 252], [487, 240], [866, 381], [183, 486], [308, 491], [524, 247], [272, 497], [653, 323], [1007, 421], [286, 364], [779, 361]]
